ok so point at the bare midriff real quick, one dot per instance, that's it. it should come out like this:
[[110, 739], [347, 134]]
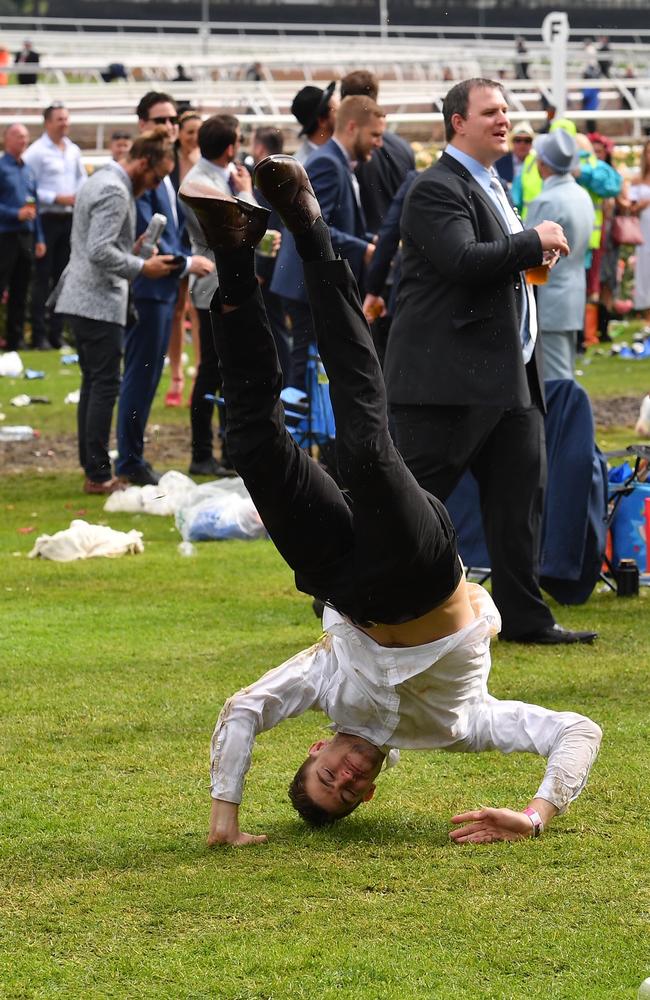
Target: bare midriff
[[445, 619]]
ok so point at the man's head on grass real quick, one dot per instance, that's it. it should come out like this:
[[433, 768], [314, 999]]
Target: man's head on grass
[[337, 776]]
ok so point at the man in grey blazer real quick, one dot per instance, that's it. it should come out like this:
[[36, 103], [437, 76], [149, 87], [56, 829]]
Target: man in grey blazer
[[561, 302], [94, 290], [219, 142]]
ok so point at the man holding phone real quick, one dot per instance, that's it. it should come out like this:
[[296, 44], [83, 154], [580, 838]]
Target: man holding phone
[[147, 339], [94, 289]]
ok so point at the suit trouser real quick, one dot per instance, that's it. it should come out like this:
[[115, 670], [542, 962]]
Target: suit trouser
[[145, 347], [208, 383], [387, 552], [99, 345], [47, 271], [302, 336], [16, 256], [506, 452]]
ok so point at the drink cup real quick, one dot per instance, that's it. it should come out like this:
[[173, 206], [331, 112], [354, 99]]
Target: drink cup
[[266, 246], [537, 275]]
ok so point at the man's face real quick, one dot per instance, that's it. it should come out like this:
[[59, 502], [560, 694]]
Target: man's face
[[521, 146], [16, 140], [368, 138], [599, 150], [342, 773], [483, 134], [119, 148], [145, 177], [58, 124], [162, 113]]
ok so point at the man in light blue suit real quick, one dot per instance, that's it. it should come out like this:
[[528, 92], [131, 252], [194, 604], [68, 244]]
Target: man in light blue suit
[[147, 339], [360, 124], [561, 301]]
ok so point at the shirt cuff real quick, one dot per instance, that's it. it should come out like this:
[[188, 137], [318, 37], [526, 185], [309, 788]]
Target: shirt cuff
[[186, 269], [46, 197]]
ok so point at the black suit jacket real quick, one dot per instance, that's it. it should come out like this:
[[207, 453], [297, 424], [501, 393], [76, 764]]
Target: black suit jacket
[[31, 57], [381, 176], [455, 337]]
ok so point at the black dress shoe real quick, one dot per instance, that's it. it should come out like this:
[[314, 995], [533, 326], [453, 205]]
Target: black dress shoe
[[284, 183], [143, 476], [211, 467], [554, 635], [227, 222]]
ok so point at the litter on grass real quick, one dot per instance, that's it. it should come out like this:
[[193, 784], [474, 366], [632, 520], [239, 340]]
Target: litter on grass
[[86, 541]]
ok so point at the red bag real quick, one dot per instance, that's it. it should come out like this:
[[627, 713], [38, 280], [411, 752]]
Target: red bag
[[626, 231]]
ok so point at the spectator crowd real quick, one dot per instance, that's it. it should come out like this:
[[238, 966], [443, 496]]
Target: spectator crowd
[[124, 262]]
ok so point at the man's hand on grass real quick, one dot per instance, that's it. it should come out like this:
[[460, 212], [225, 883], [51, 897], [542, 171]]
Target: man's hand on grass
[[486, 826], [224, 827]]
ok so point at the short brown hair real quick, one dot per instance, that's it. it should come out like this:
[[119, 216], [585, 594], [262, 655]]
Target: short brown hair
[[456, 100], [360, 81], [313, 814], [358, 109], [216, 134], [153, 146]]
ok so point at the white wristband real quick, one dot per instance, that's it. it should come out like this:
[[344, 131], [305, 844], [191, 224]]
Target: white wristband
[[536, 820]]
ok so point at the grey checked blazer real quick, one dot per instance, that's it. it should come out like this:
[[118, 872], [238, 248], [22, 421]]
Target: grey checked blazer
[[95, 284], [208, 175]]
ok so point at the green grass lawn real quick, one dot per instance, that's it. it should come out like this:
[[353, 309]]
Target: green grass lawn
[[112, 673]]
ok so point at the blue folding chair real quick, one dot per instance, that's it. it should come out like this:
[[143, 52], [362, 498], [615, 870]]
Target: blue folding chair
[[308, 413]]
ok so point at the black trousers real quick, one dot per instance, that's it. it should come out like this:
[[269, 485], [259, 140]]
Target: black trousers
[[206, 387], [100, 346], [506, 452], [46, 325], [387, 551], [302, 335], [16, 256]]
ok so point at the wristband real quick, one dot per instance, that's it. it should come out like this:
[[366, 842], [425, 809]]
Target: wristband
[[535, 819]]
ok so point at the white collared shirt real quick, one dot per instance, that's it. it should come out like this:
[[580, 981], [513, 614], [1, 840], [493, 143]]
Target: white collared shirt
[[429, 697], [57, 171]]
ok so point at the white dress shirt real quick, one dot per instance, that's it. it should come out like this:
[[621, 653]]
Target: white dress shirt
[[429, 697], [57, 171]]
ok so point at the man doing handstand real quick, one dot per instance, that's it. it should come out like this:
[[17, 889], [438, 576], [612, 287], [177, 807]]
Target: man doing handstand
[[405, 657]]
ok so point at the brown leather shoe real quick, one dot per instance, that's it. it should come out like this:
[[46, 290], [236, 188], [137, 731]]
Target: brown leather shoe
[[104, 488], [284, 182], [227, 222]]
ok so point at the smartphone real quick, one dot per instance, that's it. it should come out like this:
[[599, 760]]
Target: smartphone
[[179, 262]]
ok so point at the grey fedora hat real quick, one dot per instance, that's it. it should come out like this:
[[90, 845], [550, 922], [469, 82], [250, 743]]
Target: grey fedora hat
[[558, 150]]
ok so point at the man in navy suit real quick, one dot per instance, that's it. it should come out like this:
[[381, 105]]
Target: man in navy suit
[[147, 339], [360, 124]]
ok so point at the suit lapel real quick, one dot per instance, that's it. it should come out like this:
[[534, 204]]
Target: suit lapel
[[358, 210], [477, 191]]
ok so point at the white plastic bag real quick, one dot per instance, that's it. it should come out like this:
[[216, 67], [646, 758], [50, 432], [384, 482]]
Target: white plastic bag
[[85, 541], [10, 364], [217, 511]]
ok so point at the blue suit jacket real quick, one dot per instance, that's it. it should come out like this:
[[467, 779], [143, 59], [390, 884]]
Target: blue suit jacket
[[157, 200], [331, 179]]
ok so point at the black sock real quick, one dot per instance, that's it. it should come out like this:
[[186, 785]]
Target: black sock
[[316, 243], [236, 270]]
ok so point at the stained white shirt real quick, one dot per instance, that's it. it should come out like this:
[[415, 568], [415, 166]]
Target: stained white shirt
[[429, 697], [57, 171]]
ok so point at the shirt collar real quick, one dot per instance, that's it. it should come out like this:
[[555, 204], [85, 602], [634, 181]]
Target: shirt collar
[[480, 173], [213, 168], [54, 145], [114, 165], [351, 163]]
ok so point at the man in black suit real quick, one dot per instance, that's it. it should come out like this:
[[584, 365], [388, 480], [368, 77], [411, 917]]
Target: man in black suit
[[26, 55], [381, 176], [462, 366]]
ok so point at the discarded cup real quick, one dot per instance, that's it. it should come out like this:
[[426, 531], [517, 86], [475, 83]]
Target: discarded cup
[[17, 432], [31, 373], [69, 359], [72, 397], [22, 400]]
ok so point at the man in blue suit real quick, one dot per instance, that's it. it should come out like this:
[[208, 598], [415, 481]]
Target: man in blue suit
[[147, 339], [360, 124]]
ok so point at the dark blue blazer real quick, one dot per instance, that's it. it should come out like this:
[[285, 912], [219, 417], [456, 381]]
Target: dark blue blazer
[[331, 179], [505, 168], [157, 200], [388, 239]]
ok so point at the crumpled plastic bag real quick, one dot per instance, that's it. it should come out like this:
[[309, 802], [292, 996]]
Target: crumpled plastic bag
[[164, 499], [218, 511], [11, 364], [85, 541]]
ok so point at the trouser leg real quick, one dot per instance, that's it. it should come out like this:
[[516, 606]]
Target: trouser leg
[[302, 335], [144, 355], [399, 531], [18, 286], [9, 251], [300, 505], [275, 313], [100, 352], [60, 260], [207, 385]]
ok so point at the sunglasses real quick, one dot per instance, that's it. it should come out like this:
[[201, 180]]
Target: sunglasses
[[523, 138], [163, 119]]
